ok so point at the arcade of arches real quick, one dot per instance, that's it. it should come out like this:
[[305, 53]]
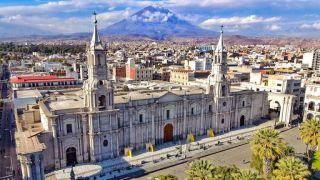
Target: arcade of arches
[[281, 107]]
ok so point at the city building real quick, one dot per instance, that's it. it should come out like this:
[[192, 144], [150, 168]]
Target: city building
[[283, 84], [181, 76], [312, 100], [312, 59], [43, 82], [95, 123], [138, 72], [199, 64]]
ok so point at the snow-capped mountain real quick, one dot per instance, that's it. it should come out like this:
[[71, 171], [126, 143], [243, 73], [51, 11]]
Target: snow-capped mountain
[[156, 22]]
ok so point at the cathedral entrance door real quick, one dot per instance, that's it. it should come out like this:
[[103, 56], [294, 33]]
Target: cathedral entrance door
[[242, 120], [168, 133], [71, 155]]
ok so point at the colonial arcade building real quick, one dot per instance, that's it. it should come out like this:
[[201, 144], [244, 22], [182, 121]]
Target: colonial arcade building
[[95, 123]]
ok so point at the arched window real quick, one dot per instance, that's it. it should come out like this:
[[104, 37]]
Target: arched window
[[223, 89], [311, 106], [102, 102], [99, 59], [310, 116], [243, 103], [192, 111], [222, 121], [105, 143]]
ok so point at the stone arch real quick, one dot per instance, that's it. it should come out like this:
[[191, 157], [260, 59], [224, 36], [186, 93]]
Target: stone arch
[[223, 90], [309, 116], [242, 120], [71, 156], [102, 102], [311, 106], [168, 132], [275, 111], [99, 59]]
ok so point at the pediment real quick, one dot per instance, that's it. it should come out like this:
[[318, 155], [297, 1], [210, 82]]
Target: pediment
[[169, 97]]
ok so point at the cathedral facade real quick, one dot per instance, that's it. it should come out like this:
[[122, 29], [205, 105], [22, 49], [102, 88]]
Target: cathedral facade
[[95, 123]]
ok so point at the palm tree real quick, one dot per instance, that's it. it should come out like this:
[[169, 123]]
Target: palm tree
[[200, 170], [291, 168], [225, 172], [310, 134], [164, 177], [246, 175], [268, 145]]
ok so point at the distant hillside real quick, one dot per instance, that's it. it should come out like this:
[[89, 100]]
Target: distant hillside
[[155, 22], [11, 30]]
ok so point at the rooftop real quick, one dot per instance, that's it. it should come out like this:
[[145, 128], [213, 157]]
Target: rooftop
[[27, 142], [46, 78]]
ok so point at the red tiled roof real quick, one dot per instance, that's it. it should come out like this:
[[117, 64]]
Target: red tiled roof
[[47, 78]]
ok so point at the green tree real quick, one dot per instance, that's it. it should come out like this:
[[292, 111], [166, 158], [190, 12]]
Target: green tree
[[310, 134], [246, 175], [165, 177], [316, 161], [291, 168], [256, 163], [225, 172], [268, 145], [200, 170]]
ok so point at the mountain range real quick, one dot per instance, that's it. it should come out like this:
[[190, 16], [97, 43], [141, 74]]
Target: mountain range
[[153, 22]]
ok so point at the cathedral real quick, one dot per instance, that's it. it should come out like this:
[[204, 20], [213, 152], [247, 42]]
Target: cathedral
[[97, 123]]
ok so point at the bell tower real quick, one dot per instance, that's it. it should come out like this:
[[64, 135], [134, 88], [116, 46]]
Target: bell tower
[[218, 83], [98, 90]]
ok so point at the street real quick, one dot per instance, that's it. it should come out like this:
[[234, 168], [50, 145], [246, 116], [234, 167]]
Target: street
[[239, 156], [9, 165]]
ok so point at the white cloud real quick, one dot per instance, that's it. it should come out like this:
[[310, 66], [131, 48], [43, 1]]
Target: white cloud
[[315, 25], [67, 25], [273, 27], [252, 19]]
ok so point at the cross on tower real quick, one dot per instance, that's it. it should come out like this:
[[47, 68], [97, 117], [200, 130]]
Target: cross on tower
[[95, 17], [221, 28]]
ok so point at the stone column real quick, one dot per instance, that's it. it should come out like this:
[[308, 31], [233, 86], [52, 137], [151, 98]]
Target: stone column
[[290, 105], [152, 125], [185, 105], [282, 110], [55, 145], [217, 116], [29, 171], [202, 114], [131, 127], [37, 166], [84, 137], [252, 104], [42, 167], [118, 151], [91, 139], [236, 120]]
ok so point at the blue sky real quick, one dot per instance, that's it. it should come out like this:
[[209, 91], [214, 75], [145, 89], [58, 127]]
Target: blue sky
[[244, 17]]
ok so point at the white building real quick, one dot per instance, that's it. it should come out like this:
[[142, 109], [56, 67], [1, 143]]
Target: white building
[[285, 84], [94, 123], [312, 100], [312, 59], [200, 64]]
